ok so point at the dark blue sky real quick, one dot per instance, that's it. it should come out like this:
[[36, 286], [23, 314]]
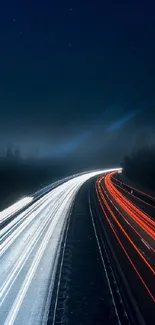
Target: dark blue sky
[[71, 70]]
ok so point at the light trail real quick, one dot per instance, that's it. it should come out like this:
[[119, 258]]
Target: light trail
[[135, 189], [126, 253], [8, 212], [138, 216], [137, 231], [30, 246], [125, 219], [125, 233], [132, 193]]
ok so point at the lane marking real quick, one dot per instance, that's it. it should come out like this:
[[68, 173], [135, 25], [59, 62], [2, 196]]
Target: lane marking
[[145, 243], [102, 259]]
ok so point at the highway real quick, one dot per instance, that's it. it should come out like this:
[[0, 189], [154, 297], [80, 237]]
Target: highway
[[29, 251], [79, 251], [128, 220]]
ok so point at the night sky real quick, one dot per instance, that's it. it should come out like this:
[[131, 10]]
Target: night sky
[[77, 78]]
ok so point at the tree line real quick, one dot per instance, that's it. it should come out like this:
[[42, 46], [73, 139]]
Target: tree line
[[20, 177], [140, 166]]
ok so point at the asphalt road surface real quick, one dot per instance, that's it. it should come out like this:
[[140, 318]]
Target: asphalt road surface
[[80, 253], [29, 251], [131, 232]]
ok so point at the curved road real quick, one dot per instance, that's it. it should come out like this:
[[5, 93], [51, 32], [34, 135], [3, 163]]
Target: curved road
[[130, 225], [112, 222], [29, 251]]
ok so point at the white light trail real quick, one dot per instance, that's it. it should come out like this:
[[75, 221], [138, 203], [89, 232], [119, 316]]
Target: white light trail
[[5, 214], [29, 249]]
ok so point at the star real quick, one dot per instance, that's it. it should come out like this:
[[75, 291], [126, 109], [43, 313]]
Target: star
[[70, 9]]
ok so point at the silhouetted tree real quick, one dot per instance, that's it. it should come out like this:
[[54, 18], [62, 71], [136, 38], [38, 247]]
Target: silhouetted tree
[[17, 153], [9, 153], [140, 167]]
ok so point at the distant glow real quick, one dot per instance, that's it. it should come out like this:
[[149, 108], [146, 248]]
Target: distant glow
[[67, 146], [117, 124], [14, 208]]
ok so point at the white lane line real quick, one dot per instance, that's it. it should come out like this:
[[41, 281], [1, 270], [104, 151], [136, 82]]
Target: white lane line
[[127, 221], [144, 242], [16, 298], [113, 300]]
